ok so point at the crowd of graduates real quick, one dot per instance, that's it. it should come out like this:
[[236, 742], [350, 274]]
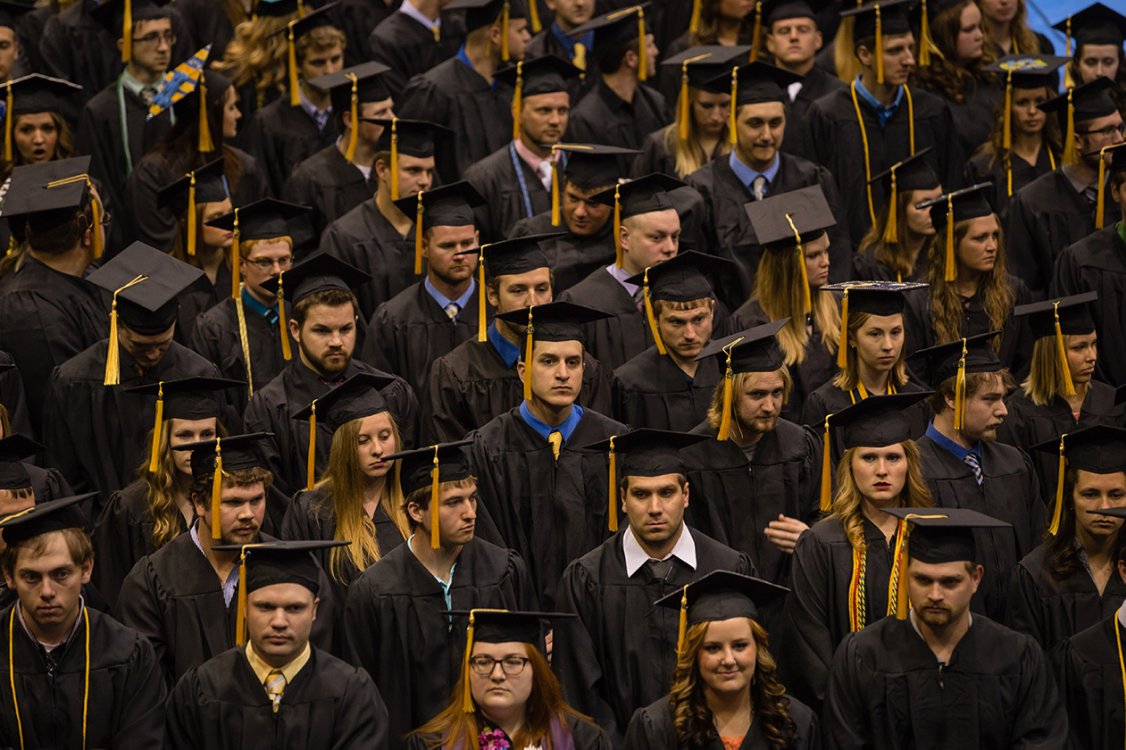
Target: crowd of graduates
[[562, 374]]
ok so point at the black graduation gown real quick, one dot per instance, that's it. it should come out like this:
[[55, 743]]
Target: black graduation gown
[[816, 84], [546, 43], [986, 167], [1027, 425], [730, 227], [618, 339], [975, 115], [1044, 218], [126, 688], [329, 704], [620, 652], [287, 452], [216, 338], [888, 690], [531, 497], [12, 397], [95, 434], [603, 117], [572, 258], [330, 185], [655, 156], [46, 317], [1010, 493], [867, 267], [653, 728], [831, 130], [507, 196], [207, 25], [198, 299], [652, 391], [410, 331], [364, 238], [175, 599], [1052, 609], [281, 137], [455, 96], [1097, 263], [398, 632], [1090, 680], [584, 736], [410, 49], [357, 19], [471, 385]]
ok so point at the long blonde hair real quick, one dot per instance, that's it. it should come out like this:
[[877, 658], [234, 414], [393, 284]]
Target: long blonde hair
[[848, 502], [894, 254], [257, 53], [160, 486], [1046, 376], [341, 490], [947, 310], [688, 155], [849, 376], [778, 288]]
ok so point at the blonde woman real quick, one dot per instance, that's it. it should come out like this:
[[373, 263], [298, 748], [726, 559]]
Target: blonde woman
[[255, 57], [844, 567]]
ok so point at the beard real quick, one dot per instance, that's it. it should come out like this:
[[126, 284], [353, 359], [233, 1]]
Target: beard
[[323, 365]]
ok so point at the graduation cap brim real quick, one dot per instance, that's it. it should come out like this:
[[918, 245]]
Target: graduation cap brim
[[210, 187], [281, 562], [46, 190], [555, 321], [313, 19], [238, 452], [416, 464], [893, 18], [417, 138], [589, 166], [875, 297], [369, 85], [481, 13], [642, 195], [1100, 449], [777, 10], [547, 74], [189, 398], [1095, 24], [515, 256], [447, 206], [877, 421], [509, 626], [937, 363], [36, 93], [1027, 71], [913, 173], [357, 397], [755, 83], [807, 208], [943, 535], [968, 203], [42, 518], [266, 218], [1075, 317], [319, 272], [685, 277], [149, 306], [1089, 101], [723, 595], [648, 452], [753, 350]]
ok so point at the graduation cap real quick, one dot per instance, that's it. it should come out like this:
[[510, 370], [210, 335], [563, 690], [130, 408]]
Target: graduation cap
[[179, 84], [752, 350], [547, 74], [876, 19], [264, 219], [505, 258], [13, 450], [554, 321], [619, 29], [913, 173], [184, 398], [293, 31], [785, 222], [1084, 103], [1100, 449], [215, 457], [776, 10], [411, 137], [1095, 24], [682, 278], [119, 16], [587, 166], [351, 87], [1117, 154], [42, 518], [645, 453], [265, 564], [144, 283], [1059, 317], [447, 206], [718, 596], [278, 8], [206, 184], [11, 10], [959, 205], [956, 359], [33, 94], [430, 467], [639, 196], [881, 298], [41, 196], [751, 83], [482, 13], [698, 66], [355, 398]]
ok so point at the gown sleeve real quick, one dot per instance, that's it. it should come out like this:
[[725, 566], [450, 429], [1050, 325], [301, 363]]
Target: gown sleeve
[[1023, 611], [809, 612], [845, 712], [363, 721], [142, 719]]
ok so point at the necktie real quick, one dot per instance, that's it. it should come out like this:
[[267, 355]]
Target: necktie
[[275, 687], [452, 310], [660, 568], [544, 172], [578, 56], [147, 94], [555, 437], [758, 187], [971, 460]]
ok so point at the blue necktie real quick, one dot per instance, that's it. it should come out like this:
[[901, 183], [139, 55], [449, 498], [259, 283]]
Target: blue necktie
[[971, 460]]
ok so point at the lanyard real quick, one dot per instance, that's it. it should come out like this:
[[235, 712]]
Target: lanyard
[[521, 180], [123, 122]]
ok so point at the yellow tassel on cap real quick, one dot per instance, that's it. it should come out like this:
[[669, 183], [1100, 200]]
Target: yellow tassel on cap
[[517, 100], [1100, 210], [113, 361], [1070, 152], [206, 142], [891, 230], [826, 469], [1007, 135], [732, 132], [418, 235], [951, 271], [158, 422], [354, 111], [283, 322], [555, 167], [192, 219], [1057, 508], [467, 694], [960, 391], [617, 226], [684, 107], [311, 457], [1061, 349], [241, 633], [127, 31], [756, 33], [435, 530], [694, 21], [8, 123], [842, 346], [394, 158], [925, 40], [528, 333], [612, 511], [534, 17], [724, 432], [642, 47], [482, 334], [1067, 36], [505, 53], [236, 257], [879, 48], [291, 51], [682, 624], [800, 260], [650, 316], [217, 490]]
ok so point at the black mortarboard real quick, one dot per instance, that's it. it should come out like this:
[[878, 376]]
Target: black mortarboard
[[209, 186], [752, 83], [548, 74], [1095, 24], [294, 30], [682, 278], [481, 13], [320, 272], [881, 298], [877, 421], [10, 11], [429, 467], [752, 350], [507, 626], [264, 219], [959, 205], [186, 398], [144, 283], [807, 208], [515, 256], [718, 596], [913, 173], [13, 449], [1086, 102], [956, 359], [53, 515], [118, 17], [699, 65], [214, 458], [592, 165], [642, 195], [411, 137], [943, 535], [36, 93], [41, 196], [776, 10], [447, 206], [1070, 315], [350, 88], [554, 321], [1100, 449], [891, 19], [620, 29]]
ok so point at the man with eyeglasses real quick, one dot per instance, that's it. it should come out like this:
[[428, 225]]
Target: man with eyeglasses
[[114, 128], [1060, 208]]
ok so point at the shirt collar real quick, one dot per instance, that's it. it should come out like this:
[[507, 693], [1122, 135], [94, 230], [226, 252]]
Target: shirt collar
[[269, 312], [526, 154], [463, 57], [319, 116], [289, 671], [444, 301], [445, 585], [1122, 614], [508, 351], [544, 429], [747, 175], [1075, 183], [636, 557], [875, 103], [915, 624], [408, 10], [52, 647], [568, 41], [950, 446], [134, 86], [621, 274], [230, 585]]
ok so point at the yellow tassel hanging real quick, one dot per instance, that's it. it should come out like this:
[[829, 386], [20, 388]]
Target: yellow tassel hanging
[[951, 271], [684, 107], [1070, 151], [394, 158], [555, 167], [283, 322], [517, 100], [481, 322], [694, 21], [650, 317], [528, 332], [756, 33], [98, 231], [127, 31], [826, 469], [612, 510], [642, 47], [925, 41], [291, 64], [206, 142], [1061, 350], [1100, 210], [724, 432], [311, 456], [960, 391], [842, 346], [732, 132], [682, 623], [435, 530], [236, 257], [113, 355], [158, 422], [217, 491], [191, 218], [240, 613], [418, 235], [617, 226], [1057, 508], [1067, 36], [879, 48], [799, 251], [505, 53], [354, 111], [1007, 135], [891, 230], [467, 694], [534, 17], [8, 123]]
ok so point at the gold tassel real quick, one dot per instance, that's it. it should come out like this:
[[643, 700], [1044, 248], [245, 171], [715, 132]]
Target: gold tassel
[[732, 133], [891, 230], [683, 106], [842, 347], [756, 33], [612, 514], [1067, 36], [1100, 211], [555, 218], [807, 300], [283, 323], [1070, 152], [236, 257], [97, 231], [154, 448], [311, 456], [192, 219], [394, 158], [642, 47], [481, 322], [1057, 509], [467, 694], [960, 391], [353, 135], [951, 271], [826, 470], [896, 593], [291, 51], [682, 623], [617, 226], [694, 22], [534, 17], [127, 32], [217, 491], [206, 142], [1061, 349], [724, 432], [418, 235], [924, 38], [435, 531], [517, 100], [505, 54], [650, 317], [1007, 135], [879, 48], [113, 361], [528, 332], [8, 124], [240, 610]]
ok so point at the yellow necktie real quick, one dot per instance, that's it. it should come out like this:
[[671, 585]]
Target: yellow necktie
[[275, 687], [578, 56], [556, 439]]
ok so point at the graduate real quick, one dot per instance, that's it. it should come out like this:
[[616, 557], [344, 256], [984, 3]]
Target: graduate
[[377, 236], [1008, 32], [462, 93], [843, 577], [265, 250], [397, 619], [340, 176], [535, 471], [964, 464], [879, 120], [976, 678], [793, 229], [1060, 208], [256, 58], [516, 179], [556, 39], [431, 317], [57, 224], [276, 689], [667, 386], [183, 596], [1060, 394], [73, 676], [413, 41], [292, 128], [95, 437], [586, 243], [620, 652], [1094, 41], [114, 127], [478, 380], [1069, 582], [648, 233], [520, 703], [897, 247], [756, 169], [320, 312], [153, 510], [726, 677]]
